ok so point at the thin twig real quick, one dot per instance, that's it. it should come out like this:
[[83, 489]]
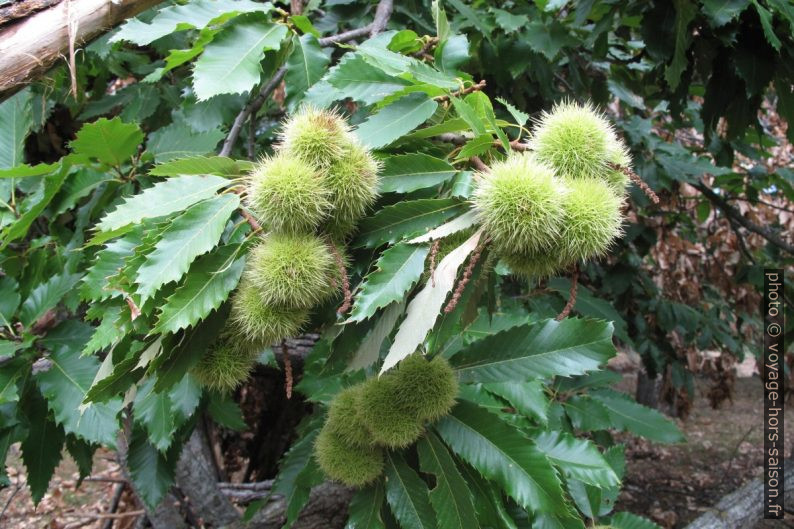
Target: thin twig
[[468, 90], [287, 369], [433, 254], [17, 488], [571, 296], [250, 219], [252, 107], [251, 144], [114, 505], [296, 7], [105, 516], [382, 15], [736, 215], [429, 43], [478, 164], [475, 257]]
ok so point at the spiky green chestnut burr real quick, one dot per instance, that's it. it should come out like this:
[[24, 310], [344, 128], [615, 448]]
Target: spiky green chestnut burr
[[353, 181], [355, 466], [316, 136], [291, 270], [225, 365], [520, 204], [537, 266], [428, 387], [344, 420], [260, 322], [592, 219], [386, 413], [617, 155], [288, 194], [574, 140]]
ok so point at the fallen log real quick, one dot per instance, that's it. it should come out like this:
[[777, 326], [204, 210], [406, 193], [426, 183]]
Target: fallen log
[[744, 507], [30, 46]]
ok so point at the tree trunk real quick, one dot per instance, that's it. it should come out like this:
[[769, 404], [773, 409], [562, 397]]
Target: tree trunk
[[647, 389], [744, 508], [30, 46]]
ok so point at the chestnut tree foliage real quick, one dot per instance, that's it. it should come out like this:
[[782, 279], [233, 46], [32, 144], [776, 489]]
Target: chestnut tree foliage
[[124, 236]]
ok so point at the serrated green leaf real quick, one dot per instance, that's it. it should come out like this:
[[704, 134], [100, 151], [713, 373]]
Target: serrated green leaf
[[82, 453], [9, 299], [230, 63], [24, 171], [472, 118], [197, 165], [766, 23], [45, 296], [369, 350], [298, 472], [77, 186], [365, 507], [520, 117], [547, 38], [406, 219], [396, 271], [504, 455], [108, 262], [548, 348], [226, 412], [509, 22], [376, 52], [589, 305], [41, 449], [16, 120], [627, 520], [19, 228], [626, 414], [197, 14], [10, 373], [453, 54], [528, 398], [305, 66], [207, 285], [425, 307], [65, 386], [183, 350], [395, 120], [185, 398], [153, 413], [110, 141], [174, 194], [451, 498], [178, 141], [578, 458], [407, 494], [587, 414], [152, 472], [361, 81], [409, 172], [194, 232], [685, 12], [491, 511]]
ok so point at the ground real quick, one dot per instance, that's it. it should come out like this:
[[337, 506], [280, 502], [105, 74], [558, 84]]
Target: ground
[[671, 484], [724, 449]]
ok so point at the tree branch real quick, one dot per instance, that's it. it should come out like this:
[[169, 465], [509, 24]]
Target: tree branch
[[382, 15], [737, 216], [31, 46]]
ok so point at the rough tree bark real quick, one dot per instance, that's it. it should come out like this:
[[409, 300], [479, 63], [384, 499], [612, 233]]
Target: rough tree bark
[[743, 508], [29, 47]]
